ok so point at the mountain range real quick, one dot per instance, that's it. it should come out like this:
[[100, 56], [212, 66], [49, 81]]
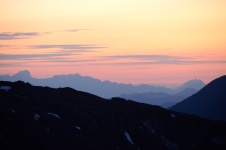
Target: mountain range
[[209, 102], [35, 117], [105, 89]]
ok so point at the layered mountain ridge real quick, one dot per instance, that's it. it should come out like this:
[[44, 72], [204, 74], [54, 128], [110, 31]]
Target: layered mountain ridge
[[105, 89]]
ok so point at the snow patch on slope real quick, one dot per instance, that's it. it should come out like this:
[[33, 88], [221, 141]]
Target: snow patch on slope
[[173, 116], [55, 115], [12, 110], [128, 137], [36, 116], [77, 127], [6, 88]]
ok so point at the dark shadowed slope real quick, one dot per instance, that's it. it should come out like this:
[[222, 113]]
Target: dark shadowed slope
[[44, 118], [210, 102]]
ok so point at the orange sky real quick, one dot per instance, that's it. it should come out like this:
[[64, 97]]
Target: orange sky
[[129, 41]]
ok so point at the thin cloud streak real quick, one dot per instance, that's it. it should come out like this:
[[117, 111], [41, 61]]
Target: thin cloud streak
[[4, 46], [11, 47], [54, 60], [8, 65], [63, 59], [28, 35], [74, 30], [66, 46], [18, 35], [69, 48], [31, 56], [64, 53], [166, 62], [146, 57], [158, 60], [66, 60]]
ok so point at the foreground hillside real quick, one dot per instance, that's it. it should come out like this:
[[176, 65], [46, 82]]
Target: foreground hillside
[[65, 119], [210, 102]]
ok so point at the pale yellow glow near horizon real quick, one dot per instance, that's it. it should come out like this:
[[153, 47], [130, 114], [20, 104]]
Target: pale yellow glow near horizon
[[183, 28]]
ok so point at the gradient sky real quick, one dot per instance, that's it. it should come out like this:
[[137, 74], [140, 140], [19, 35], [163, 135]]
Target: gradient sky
[[127, 41]]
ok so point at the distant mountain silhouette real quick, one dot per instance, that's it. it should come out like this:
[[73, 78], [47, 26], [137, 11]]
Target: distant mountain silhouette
[[210, 102], [43, 118], [161, 99], [22, 75], [194, 84], [105, 89]]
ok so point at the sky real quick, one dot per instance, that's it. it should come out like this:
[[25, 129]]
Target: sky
[[126, 41]]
